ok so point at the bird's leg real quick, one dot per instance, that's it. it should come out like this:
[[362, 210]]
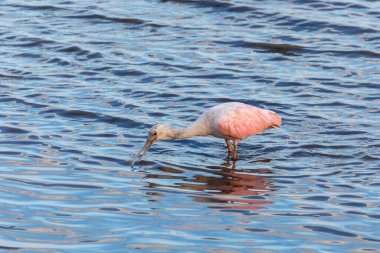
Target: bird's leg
[[228, 147], [235, 158]]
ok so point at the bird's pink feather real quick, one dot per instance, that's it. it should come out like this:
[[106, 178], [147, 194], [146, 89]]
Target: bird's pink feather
[[238, 121]]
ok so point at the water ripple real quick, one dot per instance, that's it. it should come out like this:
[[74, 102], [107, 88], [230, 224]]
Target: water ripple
[[82, 83]]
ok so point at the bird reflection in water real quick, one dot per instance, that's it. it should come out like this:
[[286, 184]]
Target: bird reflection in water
[[223, 187]]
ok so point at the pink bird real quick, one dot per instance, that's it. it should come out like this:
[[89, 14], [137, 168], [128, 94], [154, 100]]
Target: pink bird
[[230, 121]]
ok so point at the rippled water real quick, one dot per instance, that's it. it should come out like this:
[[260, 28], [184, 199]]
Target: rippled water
[[83, 81]]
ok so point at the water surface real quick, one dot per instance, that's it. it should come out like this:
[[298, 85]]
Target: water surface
[[83, 81]]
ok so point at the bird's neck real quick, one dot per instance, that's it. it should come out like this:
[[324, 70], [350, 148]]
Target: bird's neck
[[193, 130]]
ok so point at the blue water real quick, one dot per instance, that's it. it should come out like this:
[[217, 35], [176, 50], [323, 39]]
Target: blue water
[[82, 82]]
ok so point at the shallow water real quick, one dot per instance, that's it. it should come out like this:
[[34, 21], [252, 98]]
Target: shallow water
[[83, 81]]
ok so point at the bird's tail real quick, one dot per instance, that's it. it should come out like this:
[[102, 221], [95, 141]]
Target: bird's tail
[[276, 120]]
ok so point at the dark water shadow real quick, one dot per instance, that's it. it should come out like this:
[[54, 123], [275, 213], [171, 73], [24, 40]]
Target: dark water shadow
[[263, 47], [297, 50]]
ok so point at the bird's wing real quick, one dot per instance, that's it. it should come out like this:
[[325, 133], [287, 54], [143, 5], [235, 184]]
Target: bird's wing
[[243, 122]]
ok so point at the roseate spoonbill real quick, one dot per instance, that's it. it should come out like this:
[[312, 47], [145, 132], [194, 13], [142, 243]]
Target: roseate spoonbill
[[231, 121]]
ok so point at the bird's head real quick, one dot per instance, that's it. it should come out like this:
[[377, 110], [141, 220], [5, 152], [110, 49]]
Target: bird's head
[[158, 132], [162, 132]]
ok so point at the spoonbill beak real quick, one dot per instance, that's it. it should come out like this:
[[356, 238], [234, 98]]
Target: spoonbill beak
[[148, 143]]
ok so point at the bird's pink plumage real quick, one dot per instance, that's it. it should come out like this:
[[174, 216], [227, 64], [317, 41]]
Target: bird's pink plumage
[[238, 121]]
